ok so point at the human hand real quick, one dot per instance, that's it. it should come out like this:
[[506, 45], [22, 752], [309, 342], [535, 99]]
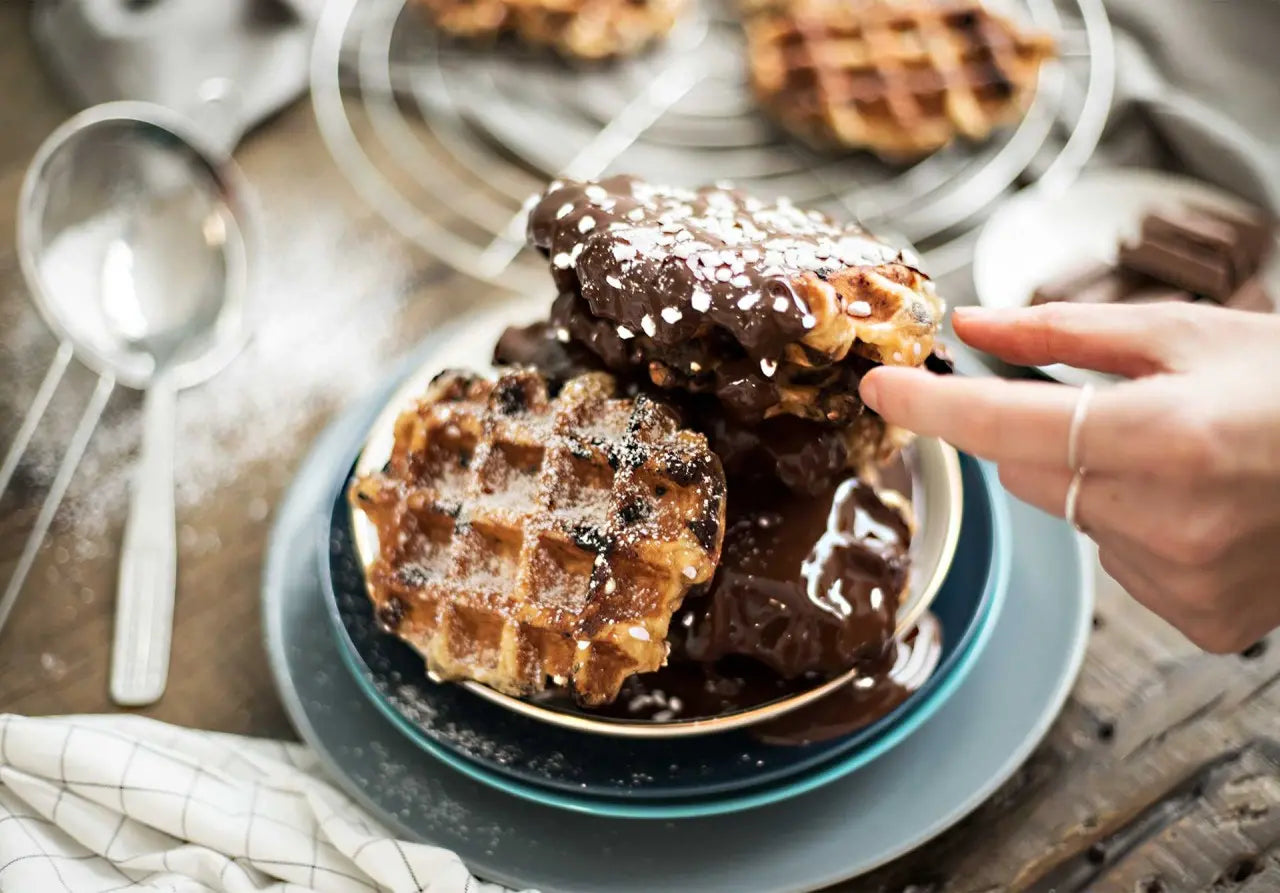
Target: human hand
[[1182, 491]]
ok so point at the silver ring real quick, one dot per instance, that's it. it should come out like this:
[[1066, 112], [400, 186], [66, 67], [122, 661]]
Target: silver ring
[[1077, 425], [1073, 499]]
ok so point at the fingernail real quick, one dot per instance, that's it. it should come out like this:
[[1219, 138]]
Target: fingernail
[[971, 311], [867, 390]]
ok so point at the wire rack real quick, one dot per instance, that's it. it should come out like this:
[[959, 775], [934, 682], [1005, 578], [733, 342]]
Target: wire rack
[[448, 142]]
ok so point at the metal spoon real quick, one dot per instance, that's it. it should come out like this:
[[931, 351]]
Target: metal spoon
[[132, 237]]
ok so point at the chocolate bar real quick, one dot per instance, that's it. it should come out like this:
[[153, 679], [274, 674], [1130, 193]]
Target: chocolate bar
[[1205, 251], [1180, 255], [1181, 263]]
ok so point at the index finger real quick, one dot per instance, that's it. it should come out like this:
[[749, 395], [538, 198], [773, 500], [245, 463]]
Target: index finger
[[1023, 421], [1005, 421]]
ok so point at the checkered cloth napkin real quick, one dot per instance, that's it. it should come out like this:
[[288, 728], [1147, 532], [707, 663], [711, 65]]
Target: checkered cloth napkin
[[93, 804]]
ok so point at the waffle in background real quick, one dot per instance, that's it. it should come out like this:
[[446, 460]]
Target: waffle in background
[[901, 78], [524, 538], [577, 29]]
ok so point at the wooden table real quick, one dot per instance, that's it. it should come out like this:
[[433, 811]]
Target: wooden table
[[1161, 774]]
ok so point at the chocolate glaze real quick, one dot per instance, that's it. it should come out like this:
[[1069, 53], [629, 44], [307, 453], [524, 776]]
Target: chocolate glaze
[[875, 692], [676, 264], [715, 364], [805, 584], [805, 456], [687, 690]]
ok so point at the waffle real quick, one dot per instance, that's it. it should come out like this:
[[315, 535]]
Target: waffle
[[901, 78], [715, 275], [804, 456], [578, 29], [526, 538]]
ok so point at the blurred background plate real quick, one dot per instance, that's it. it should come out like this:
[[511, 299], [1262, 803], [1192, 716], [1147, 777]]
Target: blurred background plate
[[919, 789], [447, 142], [526, 757], [1039, 236]]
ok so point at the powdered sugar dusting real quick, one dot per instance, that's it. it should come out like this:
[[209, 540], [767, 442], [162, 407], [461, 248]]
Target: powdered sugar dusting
[[302, 362]]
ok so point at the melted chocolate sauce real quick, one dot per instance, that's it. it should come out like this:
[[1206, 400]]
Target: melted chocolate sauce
[[806, 585], [687, 690], [872, 695]]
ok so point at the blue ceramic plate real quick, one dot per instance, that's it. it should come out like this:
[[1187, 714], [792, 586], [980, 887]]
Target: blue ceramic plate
[[610, 775]]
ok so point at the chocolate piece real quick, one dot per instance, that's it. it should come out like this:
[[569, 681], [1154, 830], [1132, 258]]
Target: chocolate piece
[[1252, 295], [1255, 232], [1068, 285], [1204, 234], [1095, 283], [1204, 251], [1182, 264]]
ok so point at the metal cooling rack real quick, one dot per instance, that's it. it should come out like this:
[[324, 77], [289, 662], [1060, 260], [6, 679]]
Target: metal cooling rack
[[448, 142]]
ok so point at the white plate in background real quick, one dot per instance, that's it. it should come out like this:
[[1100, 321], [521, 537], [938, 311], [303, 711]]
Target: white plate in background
[[1036, 237]]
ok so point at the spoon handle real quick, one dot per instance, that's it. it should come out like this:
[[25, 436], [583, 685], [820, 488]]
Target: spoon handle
[[148, 563]]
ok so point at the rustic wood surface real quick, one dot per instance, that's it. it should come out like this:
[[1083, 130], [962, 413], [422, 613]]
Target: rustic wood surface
[[1162, 774]]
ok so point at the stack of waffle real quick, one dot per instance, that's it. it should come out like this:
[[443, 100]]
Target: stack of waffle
[[681, 438]]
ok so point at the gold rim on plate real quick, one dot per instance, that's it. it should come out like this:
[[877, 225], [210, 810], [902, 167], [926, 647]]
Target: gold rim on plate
[[937, 501]]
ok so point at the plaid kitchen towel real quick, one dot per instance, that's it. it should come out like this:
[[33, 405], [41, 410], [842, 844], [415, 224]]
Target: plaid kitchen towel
[[93, 804]]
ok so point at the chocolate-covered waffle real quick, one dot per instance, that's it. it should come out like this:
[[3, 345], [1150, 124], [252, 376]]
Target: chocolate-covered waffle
[[804, 456], [526, 538], [774, 309], [578, 29], [901, 78]]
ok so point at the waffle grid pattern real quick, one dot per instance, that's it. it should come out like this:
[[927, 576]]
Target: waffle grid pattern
[[524, 538], [902, 78]]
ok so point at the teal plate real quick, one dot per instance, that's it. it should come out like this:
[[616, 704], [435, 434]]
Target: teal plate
[[926, 784], [654, 778]]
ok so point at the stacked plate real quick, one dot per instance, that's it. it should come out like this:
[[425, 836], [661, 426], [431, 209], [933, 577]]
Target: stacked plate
[[501, 786]]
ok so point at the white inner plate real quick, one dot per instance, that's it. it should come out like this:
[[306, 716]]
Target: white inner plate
[[1036, 237]]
